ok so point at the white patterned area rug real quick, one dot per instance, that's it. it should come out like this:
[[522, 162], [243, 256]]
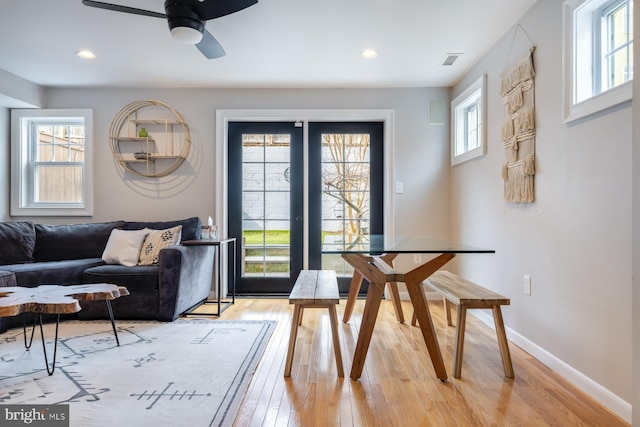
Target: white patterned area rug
[[184, 373]]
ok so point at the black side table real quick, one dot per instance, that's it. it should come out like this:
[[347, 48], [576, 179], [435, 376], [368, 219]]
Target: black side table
[[219, 242]]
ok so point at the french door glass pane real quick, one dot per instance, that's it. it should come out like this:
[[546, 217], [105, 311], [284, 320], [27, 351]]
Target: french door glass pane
[[266, 205], [346, 198]]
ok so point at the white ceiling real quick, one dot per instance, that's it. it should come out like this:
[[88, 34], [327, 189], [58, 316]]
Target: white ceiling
[[275, 43]]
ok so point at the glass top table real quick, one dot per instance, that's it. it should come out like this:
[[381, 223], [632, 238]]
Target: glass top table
[[377, 244], [372, 259]]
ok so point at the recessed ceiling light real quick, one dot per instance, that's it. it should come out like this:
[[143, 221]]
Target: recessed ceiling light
[[85, 54], [369, 54]]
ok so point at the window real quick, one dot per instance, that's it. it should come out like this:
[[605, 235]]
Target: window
[[51, 163], [598, 55], [468, 113]]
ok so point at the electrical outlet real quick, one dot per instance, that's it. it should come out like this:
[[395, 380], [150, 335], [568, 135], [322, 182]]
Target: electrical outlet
[[527, 285], [417, 258]]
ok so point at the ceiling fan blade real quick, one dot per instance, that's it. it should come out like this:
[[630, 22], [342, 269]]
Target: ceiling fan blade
[[209, 46], [211, 9], [125, 9]]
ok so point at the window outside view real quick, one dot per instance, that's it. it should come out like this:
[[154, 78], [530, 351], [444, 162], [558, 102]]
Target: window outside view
[[345, 198], [618, 52], [603, 46], [266, 200], [265, 205], [58, 163]]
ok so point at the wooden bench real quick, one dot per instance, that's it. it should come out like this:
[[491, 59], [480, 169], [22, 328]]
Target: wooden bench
[[468, 295], [314, 289]]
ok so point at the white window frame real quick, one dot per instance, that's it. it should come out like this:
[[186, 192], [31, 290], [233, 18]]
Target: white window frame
[[579, 59], [473, 95], [22, 172]]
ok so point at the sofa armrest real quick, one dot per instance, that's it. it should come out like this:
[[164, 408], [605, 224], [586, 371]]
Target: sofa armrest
[[185, 276]]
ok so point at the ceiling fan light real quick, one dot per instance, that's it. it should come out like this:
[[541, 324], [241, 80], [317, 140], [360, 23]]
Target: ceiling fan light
[[186, 35]]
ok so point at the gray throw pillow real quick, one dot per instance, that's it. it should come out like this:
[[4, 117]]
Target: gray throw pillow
[[17, 242]]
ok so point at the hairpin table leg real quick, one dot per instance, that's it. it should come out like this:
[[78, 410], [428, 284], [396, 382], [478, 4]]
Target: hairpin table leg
[[55, 344], [113, 324], [24, 330]]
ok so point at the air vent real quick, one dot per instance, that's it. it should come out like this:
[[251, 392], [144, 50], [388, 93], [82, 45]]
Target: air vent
[[451, 58]]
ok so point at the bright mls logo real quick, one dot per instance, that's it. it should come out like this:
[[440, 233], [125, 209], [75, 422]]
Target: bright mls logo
[[34, 415]]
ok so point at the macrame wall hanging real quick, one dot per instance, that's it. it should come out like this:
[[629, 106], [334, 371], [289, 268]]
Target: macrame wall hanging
[[519, 131]]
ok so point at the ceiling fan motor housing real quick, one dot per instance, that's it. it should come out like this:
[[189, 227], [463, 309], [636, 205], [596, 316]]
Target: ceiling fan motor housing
[[182, 15]]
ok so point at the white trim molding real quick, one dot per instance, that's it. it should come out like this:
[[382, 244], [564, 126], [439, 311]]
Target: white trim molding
[[577, 15], [224, 116], [614, 403]]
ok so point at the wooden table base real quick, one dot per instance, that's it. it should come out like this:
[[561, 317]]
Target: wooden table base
[[378, 273], [356, 284]]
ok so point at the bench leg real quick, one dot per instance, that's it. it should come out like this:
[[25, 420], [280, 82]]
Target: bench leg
[[333, 318], [502, 342], [447, 309], [292, 340], [354, 290], [459, 348]]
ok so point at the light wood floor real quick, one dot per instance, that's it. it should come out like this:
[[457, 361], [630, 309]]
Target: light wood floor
[[398, 386]]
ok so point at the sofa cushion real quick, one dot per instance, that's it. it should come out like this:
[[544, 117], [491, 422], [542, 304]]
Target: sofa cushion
[[123, 247], [17, 242], [51, 273], [140, 278], [75, 241], [190, 227], [157, 240]]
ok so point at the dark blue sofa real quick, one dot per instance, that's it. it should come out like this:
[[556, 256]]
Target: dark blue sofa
[[71, 254]]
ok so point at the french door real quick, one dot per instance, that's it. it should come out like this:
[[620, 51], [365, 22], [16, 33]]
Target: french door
[[345, 191], [267, 169], [266, 204]]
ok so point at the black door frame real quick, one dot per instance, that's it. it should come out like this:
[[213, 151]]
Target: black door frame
[[267, 285]]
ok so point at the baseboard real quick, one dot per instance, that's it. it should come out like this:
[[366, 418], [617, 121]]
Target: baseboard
[[614, 403]]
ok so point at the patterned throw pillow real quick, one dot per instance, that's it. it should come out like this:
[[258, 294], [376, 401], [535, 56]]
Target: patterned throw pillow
[[156, 240]]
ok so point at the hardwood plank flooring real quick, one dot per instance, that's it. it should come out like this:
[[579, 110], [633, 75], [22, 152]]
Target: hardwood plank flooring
[[398, 386]]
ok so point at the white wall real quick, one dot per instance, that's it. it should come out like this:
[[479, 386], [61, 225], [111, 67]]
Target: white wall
[[574, 241], [420, 150], [15, 92]]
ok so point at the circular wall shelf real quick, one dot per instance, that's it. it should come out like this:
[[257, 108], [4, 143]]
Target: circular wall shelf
[[161, 151]]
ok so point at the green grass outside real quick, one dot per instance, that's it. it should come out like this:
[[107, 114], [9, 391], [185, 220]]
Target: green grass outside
[[272, 237]]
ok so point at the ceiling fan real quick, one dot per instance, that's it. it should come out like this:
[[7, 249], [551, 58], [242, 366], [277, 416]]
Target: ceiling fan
[[186, 19]]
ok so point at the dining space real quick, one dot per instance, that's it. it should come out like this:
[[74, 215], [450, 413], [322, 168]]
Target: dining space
[[372, 260], [397, 361]]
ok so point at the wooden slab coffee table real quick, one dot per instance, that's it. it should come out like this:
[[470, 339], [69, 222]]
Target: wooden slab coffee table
[[56, 299]]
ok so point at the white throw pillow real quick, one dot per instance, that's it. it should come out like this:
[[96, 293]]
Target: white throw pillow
[[124, 246], [157, 240]]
